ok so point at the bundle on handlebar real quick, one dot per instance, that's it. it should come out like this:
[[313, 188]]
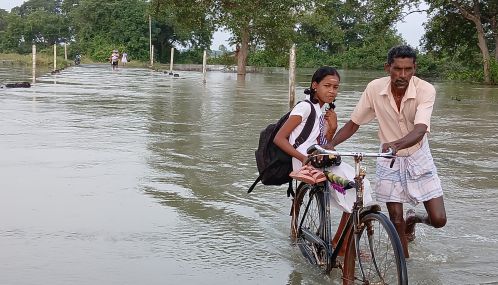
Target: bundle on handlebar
[[343, 182]]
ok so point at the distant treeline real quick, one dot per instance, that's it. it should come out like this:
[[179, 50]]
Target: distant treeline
[[460, 40]]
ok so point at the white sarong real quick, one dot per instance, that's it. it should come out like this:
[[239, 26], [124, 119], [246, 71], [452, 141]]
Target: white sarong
[[413, 179]]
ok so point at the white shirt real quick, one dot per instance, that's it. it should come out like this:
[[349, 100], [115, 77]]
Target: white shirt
[[303, 109]]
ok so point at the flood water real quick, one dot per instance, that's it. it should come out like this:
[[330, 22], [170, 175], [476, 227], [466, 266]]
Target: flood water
[[137, 177]]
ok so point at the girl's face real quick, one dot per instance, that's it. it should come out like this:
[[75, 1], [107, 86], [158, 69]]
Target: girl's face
[[327, 89]]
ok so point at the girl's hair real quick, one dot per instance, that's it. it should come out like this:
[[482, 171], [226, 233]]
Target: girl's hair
[[318, 76]]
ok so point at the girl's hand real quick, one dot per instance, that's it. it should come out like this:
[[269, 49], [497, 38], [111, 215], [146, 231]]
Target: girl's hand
[[303, 159], [331, 120]]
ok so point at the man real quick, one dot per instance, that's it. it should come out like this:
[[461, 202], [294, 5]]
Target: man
[[114, 59], [402, 105]]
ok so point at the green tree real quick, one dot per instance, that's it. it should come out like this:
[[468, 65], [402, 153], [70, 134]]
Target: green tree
[[261, 23], [101, 26], [3, 19], [181, 23], [355, 34], [483, 15], [37, 22]]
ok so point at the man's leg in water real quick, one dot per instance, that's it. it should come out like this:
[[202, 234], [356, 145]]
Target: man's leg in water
[[396, 217], [435, 217]]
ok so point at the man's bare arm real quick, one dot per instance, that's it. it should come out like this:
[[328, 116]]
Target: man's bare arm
[[409, 140]]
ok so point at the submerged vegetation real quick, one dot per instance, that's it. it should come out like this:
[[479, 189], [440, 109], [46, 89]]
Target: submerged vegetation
[[460, 42]]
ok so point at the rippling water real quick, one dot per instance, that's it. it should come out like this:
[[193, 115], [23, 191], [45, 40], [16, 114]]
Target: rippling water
[[137, 177]]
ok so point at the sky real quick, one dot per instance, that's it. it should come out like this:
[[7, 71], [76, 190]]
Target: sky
[[411, 28], [9, 4]]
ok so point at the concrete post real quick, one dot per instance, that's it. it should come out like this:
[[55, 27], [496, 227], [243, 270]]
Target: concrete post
[[55, 57], [33, 49], [292, 76], [204, 69], [171, 60]]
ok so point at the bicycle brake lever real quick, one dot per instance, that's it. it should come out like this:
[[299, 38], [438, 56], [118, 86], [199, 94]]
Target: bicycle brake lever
[[392, 163], [393, 151]]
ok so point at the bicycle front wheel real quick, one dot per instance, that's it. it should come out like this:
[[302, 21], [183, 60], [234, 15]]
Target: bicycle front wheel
[[310, 227], [374, 254]]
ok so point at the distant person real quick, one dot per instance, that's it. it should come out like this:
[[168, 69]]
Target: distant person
[[77, 59], [402, 104], [124, 58], [114, 59]]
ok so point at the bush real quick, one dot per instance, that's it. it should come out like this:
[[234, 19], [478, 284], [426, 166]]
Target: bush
[[226, 59], [493, 70], [190, 56]]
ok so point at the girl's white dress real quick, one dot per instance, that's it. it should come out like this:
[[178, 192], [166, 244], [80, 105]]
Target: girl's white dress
[[344, 202]]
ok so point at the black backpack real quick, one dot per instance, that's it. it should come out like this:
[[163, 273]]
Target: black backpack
[[274, 165]]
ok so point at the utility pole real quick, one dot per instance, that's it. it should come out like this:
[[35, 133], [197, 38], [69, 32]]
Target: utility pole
[[292, 76], [150, 40]]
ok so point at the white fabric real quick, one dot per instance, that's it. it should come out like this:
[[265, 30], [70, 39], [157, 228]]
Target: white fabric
[[412, 179], [124, 58], [345, 202], [303, 109]]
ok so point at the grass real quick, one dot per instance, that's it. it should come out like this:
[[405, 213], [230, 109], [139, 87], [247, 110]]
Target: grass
[[27, 59], [45, 59]]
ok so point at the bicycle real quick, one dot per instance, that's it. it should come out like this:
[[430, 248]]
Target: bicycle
[[373, 255]]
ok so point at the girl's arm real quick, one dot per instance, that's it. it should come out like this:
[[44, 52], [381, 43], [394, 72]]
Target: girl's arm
[[282, 137]]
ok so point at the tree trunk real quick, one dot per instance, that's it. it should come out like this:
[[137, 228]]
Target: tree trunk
[[244, 50], [475, 17], [485, 52], [494, 30]]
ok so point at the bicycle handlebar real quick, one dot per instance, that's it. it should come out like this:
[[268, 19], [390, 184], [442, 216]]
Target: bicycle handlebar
[[322, 151]]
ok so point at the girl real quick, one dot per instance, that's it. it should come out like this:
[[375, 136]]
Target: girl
[[323, 89]]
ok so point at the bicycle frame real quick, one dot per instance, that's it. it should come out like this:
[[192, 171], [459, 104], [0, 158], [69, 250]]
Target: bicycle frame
[[353, 223]]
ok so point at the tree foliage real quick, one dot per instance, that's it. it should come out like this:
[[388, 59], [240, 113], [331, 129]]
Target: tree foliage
[[37, 22], [121, 25], [461, 29], [461, 35], [185, 23], [340, 26]]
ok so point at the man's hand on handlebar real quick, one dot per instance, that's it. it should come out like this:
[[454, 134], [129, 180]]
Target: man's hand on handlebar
[[389, 147]]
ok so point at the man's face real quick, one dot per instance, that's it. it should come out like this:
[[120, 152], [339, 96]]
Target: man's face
[[401, 71]]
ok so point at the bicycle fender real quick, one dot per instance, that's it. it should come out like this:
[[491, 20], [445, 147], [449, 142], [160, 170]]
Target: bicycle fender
[[370, 209]]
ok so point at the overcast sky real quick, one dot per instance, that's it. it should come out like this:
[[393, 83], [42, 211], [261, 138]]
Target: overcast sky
[[9, 4], [411, 29]]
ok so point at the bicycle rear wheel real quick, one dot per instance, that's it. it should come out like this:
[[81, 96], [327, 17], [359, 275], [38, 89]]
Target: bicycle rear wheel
[[374, 254], [309, 226]]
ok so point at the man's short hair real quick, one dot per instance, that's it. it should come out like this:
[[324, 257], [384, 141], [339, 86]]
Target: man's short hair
[[402, 51]]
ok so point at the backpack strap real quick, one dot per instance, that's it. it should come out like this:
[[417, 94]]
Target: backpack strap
[[254, 184], [303, 136], [261, 176], [308, 127], [290, 190]]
